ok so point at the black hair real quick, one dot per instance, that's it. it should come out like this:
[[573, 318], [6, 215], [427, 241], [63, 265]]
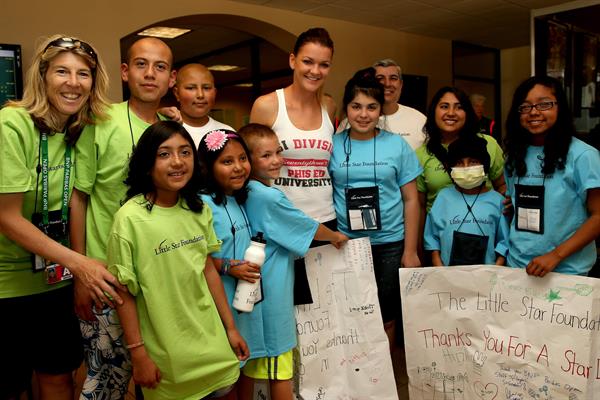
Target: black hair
[[364, 82], [139, 178], [432, 130], [313, 35], [207, 161], [475, 148], [558, 138]]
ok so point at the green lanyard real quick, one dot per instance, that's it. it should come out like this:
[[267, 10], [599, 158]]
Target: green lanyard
[[66, 179]]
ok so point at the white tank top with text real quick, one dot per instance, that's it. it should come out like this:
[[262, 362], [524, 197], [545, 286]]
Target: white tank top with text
[[304, 177]]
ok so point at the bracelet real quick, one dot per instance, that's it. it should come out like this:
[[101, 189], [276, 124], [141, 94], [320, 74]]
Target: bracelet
[[134, 345], [225, 266]]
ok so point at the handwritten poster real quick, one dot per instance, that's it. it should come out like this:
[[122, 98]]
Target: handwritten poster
[[487, 332], [344, 352]]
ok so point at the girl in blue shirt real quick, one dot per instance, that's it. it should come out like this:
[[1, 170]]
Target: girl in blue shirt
[[553, 180], [225, 166], [374, 191]]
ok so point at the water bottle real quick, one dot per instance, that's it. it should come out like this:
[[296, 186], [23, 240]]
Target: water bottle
[[246, 293]]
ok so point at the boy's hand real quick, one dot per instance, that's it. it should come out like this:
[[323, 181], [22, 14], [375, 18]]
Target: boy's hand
[[238, 344], [339, 240], [241, 269], [145, 372], [172, 113]]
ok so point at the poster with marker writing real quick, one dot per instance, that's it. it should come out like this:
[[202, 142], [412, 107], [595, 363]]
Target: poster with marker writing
[[496, 333], [343, 349]]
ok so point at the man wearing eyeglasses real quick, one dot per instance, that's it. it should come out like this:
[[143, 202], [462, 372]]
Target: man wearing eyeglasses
[[102, 156]]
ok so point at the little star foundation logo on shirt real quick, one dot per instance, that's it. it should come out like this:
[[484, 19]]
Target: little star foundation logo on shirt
[[164, 247]]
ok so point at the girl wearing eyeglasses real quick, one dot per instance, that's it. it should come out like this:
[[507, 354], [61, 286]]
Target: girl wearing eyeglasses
[[65, 90], [553, 180]]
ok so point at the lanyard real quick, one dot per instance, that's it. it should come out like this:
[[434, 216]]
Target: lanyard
[[232, 225], [131, 129], [348, 151], [66, 180], [470, 210]]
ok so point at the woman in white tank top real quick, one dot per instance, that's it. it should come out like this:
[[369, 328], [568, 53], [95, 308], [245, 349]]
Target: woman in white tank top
[[301, 117]]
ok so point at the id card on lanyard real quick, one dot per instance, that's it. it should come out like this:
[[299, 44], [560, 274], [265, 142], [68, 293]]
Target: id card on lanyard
[[529, 207], [53, 223], [362, 203], [468, 248]]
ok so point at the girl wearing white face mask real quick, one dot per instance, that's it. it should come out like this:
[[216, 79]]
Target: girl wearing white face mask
[[465, 225]]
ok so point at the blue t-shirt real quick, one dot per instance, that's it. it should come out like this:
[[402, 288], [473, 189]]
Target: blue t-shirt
[[565, 207], [288, 232], [449, 210], [395, 163], [224, 216]]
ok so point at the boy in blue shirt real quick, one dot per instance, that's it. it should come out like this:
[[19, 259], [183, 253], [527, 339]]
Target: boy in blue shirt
[[465, 225], [288, 232]]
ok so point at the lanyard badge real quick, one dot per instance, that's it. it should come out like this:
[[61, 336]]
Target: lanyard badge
[[362, 203], [529, 206], [54, 224], [468, 248]]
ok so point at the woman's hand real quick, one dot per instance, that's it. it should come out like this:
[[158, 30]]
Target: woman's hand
[[83, 302], [145, 372], [238, 344], [543, 264], [101, 285], [339, 239], [508, 210], [410, 260], [241, 269]]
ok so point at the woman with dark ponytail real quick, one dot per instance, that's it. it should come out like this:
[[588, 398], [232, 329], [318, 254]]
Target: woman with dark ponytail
[[553, 180], [374, 191]]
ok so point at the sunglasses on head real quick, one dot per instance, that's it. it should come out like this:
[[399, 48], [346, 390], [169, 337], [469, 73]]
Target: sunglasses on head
[[70, 43]]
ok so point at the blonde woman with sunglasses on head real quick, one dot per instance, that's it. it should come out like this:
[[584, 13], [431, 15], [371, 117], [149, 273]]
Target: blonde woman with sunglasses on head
[[65, 90]]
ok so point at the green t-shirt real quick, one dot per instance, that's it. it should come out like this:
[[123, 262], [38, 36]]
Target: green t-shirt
[[19, 155], [434, 177], [160, 255], [104, 151]]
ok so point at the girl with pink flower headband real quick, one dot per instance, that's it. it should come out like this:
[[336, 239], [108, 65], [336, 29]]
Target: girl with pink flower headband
[[225, 164]]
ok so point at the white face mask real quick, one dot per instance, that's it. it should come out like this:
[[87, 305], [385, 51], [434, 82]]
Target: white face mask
[[468, 177]]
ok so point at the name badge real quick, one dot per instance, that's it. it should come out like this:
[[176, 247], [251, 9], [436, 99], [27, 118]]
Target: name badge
[[57, 230], [529, 206], [362, 205]]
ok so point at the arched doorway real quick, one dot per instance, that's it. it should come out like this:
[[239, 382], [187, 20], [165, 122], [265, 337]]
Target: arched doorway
[[247, 57]]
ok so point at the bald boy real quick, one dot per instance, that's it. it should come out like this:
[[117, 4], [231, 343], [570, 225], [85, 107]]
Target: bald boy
[[196, 93]]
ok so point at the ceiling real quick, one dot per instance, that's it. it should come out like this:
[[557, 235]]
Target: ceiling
[[493, 23]]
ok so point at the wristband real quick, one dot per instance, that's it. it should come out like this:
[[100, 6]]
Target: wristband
[[225, 266], [134, 345]]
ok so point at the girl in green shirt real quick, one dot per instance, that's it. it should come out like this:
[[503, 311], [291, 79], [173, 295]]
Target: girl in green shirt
[[176, 319]]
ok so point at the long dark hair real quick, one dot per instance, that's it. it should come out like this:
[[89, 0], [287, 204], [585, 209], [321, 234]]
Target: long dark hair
[[558, 138], [207, 162], [142, 161], [364, 82], [433, 132]]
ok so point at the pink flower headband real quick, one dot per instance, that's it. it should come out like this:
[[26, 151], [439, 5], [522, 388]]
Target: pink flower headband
[[216, 140]]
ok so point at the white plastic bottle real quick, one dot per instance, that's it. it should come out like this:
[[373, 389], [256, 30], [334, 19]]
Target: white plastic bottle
[[246, 293]]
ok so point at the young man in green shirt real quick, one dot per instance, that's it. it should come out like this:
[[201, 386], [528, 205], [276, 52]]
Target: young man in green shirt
[[102, 156]]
